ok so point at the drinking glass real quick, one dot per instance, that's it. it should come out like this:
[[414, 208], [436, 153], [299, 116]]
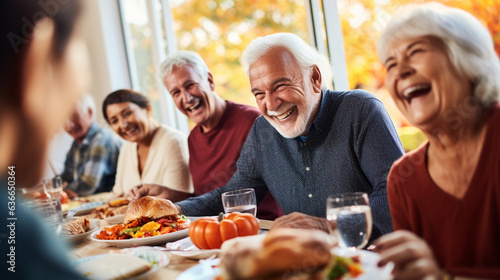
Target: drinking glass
[[243, 201], [350, 219], [53, 187], [50, 211]]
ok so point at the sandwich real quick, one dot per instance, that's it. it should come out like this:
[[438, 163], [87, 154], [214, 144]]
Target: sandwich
[[145, 217], [283, 254]]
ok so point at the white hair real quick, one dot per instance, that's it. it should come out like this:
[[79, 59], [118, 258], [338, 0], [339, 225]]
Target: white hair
[[85, 103], [181, 58], [469, 43], [305, 55]]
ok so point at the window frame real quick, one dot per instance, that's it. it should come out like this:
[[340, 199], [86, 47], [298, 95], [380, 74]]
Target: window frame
[[319, 24]]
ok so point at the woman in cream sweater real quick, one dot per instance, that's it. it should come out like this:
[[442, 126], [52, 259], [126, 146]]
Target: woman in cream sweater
[[153, 153]]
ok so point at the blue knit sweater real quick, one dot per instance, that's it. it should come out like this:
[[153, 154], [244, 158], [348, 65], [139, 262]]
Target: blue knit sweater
[[350, 147]]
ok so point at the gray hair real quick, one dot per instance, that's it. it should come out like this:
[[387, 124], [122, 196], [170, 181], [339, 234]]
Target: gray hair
[[85, 103], [305, 55], [181, 58], [469, 43]]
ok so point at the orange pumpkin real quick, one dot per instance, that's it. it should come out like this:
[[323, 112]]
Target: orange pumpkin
[[210, 233]]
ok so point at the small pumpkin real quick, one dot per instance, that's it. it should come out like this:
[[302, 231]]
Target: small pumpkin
[[211, 232]]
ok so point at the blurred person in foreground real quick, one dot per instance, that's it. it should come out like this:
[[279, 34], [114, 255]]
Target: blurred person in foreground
[[221, 127], [90, 165], [444, 76], [153, 153], [43, 72], [310, 142]]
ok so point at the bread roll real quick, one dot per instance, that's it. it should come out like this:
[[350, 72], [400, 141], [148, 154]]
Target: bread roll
[[149, 207], [285, 253]]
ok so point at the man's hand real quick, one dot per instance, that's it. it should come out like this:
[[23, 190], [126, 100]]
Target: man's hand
[[299, 220], [71, 194], [412, 257], [159, 191]]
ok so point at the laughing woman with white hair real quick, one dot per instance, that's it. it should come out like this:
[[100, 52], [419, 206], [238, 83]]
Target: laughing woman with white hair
[[444, 76]]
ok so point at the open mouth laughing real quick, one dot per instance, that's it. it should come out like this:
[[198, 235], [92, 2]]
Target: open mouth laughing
[[130, 131], [286, 114], [195, 106], [415, 91], [282, 116]]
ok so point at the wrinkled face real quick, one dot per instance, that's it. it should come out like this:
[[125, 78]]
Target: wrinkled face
[[285, 97], [193, 96], [424, 84], [78, 124], [130, 121]]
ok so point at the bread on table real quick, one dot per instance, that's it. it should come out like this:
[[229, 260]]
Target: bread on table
[[150, 207], [283, 254]]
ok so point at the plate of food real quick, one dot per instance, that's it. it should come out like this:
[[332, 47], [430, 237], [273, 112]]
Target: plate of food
[[85, 208], [147, 221], [285, 253], [185, 248], [77, 229], [112, 211], [132, 264]]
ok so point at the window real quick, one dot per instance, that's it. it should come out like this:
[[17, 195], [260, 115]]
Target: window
[[219, 30], [363, 20]]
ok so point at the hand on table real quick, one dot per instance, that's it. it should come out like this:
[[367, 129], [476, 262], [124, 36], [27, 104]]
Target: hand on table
[[71, 194], [158, 191], [412, 257], [300, 220]]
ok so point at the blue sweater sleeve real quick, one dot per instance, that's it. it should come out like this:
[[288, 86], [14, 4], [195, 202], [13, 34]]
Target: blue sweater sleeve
[[377, 146], [247, 175]]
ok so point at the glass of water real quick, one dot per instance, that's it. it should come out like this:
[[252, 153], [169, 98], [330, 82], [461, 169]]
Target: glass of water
[[350, 219], [243, 201], [53, 187], [50, 211]]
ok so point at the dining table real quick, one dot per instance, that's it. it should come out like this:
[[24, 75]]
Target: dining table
[[176, 265]]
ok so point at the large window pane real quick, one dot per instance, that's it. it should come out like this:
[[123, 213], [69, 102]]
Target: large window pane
[[219, 30], [137, 29], [362, 22]]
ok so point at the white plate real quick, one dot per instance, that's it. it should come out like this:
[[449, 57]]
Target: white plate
[[206, 270], [86, 208], [116, 219], [153, 240], [369, 262], [157, 260], [191, 252], [93, 226]]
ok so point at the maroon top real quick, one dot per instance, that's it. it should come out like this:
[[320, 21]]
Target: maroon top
[[213, 155], [464, 234]]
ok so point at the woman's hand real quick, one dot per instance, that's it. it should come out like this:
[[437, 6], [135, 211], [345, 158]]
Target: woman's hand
[[412, 257], [158, 191], [300, 220]]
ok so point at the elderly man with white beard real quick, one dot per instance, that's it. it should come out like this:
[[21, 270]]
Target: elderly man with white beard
[[310, 142]]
